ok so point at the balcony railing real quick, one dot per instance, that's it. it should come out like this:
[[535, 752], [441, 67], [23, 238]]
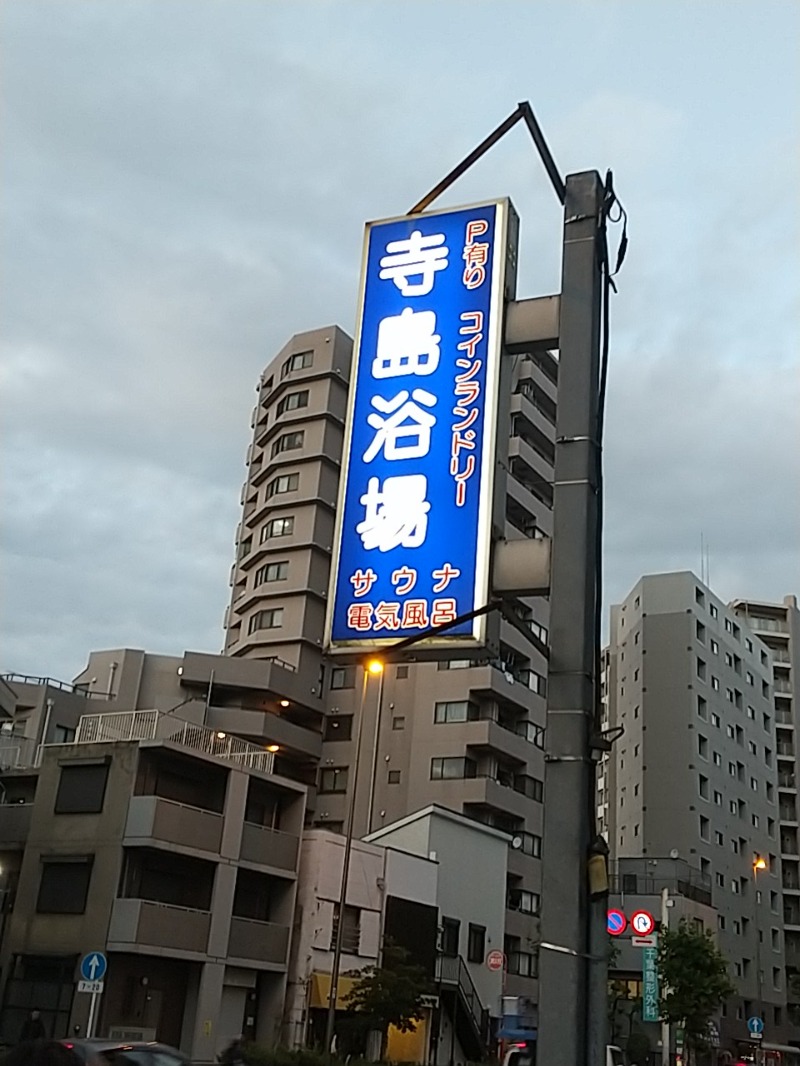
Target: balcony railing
[[154, 725], [18, 753], [52, 682]]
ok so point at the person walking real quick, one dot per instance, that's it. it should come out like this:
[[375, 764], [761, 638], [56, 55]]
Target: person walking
[[33, 1028]]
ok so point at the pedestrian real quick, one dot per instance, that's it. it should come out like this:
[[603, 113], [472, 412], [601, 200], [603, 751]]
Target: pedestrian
[[33, 1028]]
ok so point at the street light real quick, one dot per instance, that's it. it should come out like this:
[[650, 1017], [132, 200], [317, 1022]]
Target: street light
[[372, 667], [759, 863]]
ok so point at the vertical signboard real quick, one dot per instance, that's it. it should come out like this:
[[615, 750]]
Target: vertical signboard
[[412, 548], [650, 994]]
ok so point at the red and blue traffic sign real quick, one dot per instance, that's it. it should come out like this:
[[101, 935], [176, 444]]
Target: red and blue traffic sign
[[616, 922]]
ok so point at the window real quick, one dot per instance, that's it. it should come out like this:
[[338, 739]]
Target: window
[[293, 401], [720, 921], [754, 784], [765, 690], [702, 707], [718, 838], [702, 746], [712, 610], [718, 798], [770, 792], [714, 647], [458, 711], [704, 828], [401, 673], [728, 626], [776, 977], [62, 734], [733, 807], [720, 880], [699, 597], [338, 727], [398, 722], [750, 678], [351, 929], [531, 845], [284, 483], [755, 822], [748, 643], [476, 943], [731, 731], [394, 777], [300, 361], [81, 789], [288, 442], [729, 695], [717, 759], [768, 756], [343, 677], [728, 659], [715, 719], [770, 824], [64, 885], [735, 846], [703, 786], [278, 527], [775, 939], [753, 747], [767, 723], [452, 767], [715, 683], [521, 900], [751, 713], [451, 930], [272, 572], [333, 779], [701, 669], [700, 632], [735, 887], [272, 619]]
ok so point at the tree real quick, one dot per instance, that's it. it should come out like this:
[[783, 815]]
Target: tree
[[391, 994], [694, 981]]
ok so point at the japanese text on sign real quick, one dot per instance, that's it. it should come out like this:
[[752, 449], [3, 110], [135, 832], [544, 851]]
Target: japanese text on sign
[[415, 502]]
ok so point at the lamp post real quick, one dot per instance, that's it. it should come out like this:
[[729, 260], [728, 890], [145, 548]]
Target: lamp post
[[372, 667], [759, 863]]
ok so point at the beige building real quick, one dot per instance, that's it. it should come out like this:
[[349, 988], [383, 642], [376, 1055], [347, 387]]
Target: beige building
[[172, 848], [459, 734]]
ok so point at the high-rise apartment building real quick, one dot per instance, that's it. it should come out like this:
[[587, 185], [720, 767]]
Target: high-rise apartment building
[[778, 626], [462, 734], [695, 773]]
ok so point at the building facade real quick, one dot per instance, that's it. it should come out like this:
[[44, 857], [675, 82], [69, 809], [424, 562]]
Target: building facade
[[176, 853], [695, 772], [461, 734], [778, 626]]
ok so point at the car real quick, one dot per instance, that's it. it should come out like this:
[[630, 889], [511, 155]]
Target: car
[[120, 1053]]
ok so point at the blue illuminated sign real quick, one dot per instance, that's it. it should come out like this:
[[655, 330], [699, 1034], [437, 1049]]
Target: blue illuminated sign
[[415, 502]]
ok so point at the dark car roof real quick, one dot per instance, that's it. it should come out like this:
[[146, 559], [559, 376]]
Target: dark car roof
[[111, 1045]]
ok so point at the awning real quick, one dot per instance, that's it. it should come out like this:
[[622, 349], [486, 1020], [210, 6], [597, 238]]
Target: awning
[[321, 990]]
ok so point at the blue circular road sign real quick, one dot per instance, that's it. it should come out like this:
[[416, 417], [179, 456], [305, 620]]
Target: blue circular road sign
[[616, 922], [755, 1026], [93, 966]]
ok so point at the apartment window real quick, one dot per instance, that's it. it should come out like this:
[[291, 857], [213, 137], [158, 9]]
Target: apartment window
[[764, 659], [765, 690], [636, 675], [733, 807], [720, 880], [62, 734], [699, 597], [717, 759], [770, 823], [351, 929], [700, 632], [702, 746], [750, 678], [728, 659], [272, 619], [705, 867], [523, 901], [770, 792], [701, 669], [81, 789], [714, 647], [338, 727], [768, 756], [284, 483], [532, 845], [719, 840], [394, 777], [712, 610], [729, 695], [702, 707], [293, 401], [398, 722], [735, 846], [454, 664], [775, 939], [776, 977], [455, 711], [278, 527], [731, 731], [715, 683], [451, 932], [288, 442], [703, 786], [773, 902], [767, 723], [753, 747], [755, 821], [754, 784], [272, 572], [704, 828], [343, 677], [64, 885], [476, 943], [735, 887], [748, 643], [333, 779], [300, 361], [401, 673], [715, 719], [452, 767], [718, 798], [728, 626], [720, 921]]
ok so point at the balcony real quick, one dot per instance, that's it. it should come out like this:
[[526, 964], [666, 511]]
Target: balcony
[[15, 824], [489, 734], [269, 847], [267, 728], [487, 792], [260, 941], [162, 820], [143, 923], [783, 685], [505, 685]]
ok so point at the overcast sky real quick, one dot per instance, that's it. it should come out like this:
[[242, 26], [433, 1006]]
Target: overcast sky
[[184, 186]]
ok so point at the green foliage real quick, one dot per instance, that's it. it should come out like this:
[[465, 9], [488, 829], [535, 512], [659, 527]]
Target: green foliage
[[390, 994], [694, 980], [257, 1055]]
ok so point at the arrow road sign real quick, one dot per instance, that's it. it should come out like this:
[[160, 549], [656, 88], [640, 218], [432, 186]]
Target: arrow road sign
[[93, 966], [755, 1026], [642, 923], [644, 941], [616, 922]]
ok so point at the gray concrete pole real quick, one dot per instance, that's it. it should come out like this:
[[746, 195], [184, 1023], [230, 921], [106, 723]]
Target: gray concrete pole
[[572, 685]]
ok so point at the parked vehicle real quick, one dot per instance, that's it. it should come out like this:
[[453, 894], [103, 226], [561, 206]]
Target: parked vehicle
[[525, 1055], [114, 1053]]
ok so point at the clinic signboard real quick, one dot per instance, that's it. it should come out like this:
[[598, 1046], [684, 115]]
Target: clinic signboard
[[414, 518]]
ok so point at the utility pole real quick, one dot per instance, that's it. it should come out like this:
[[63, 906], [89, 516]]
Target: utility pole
[[574, 639], [666, 903]]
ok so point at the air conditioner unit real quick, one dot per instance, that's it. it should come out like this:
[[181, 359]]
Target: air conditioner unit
[[127, 1036]]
